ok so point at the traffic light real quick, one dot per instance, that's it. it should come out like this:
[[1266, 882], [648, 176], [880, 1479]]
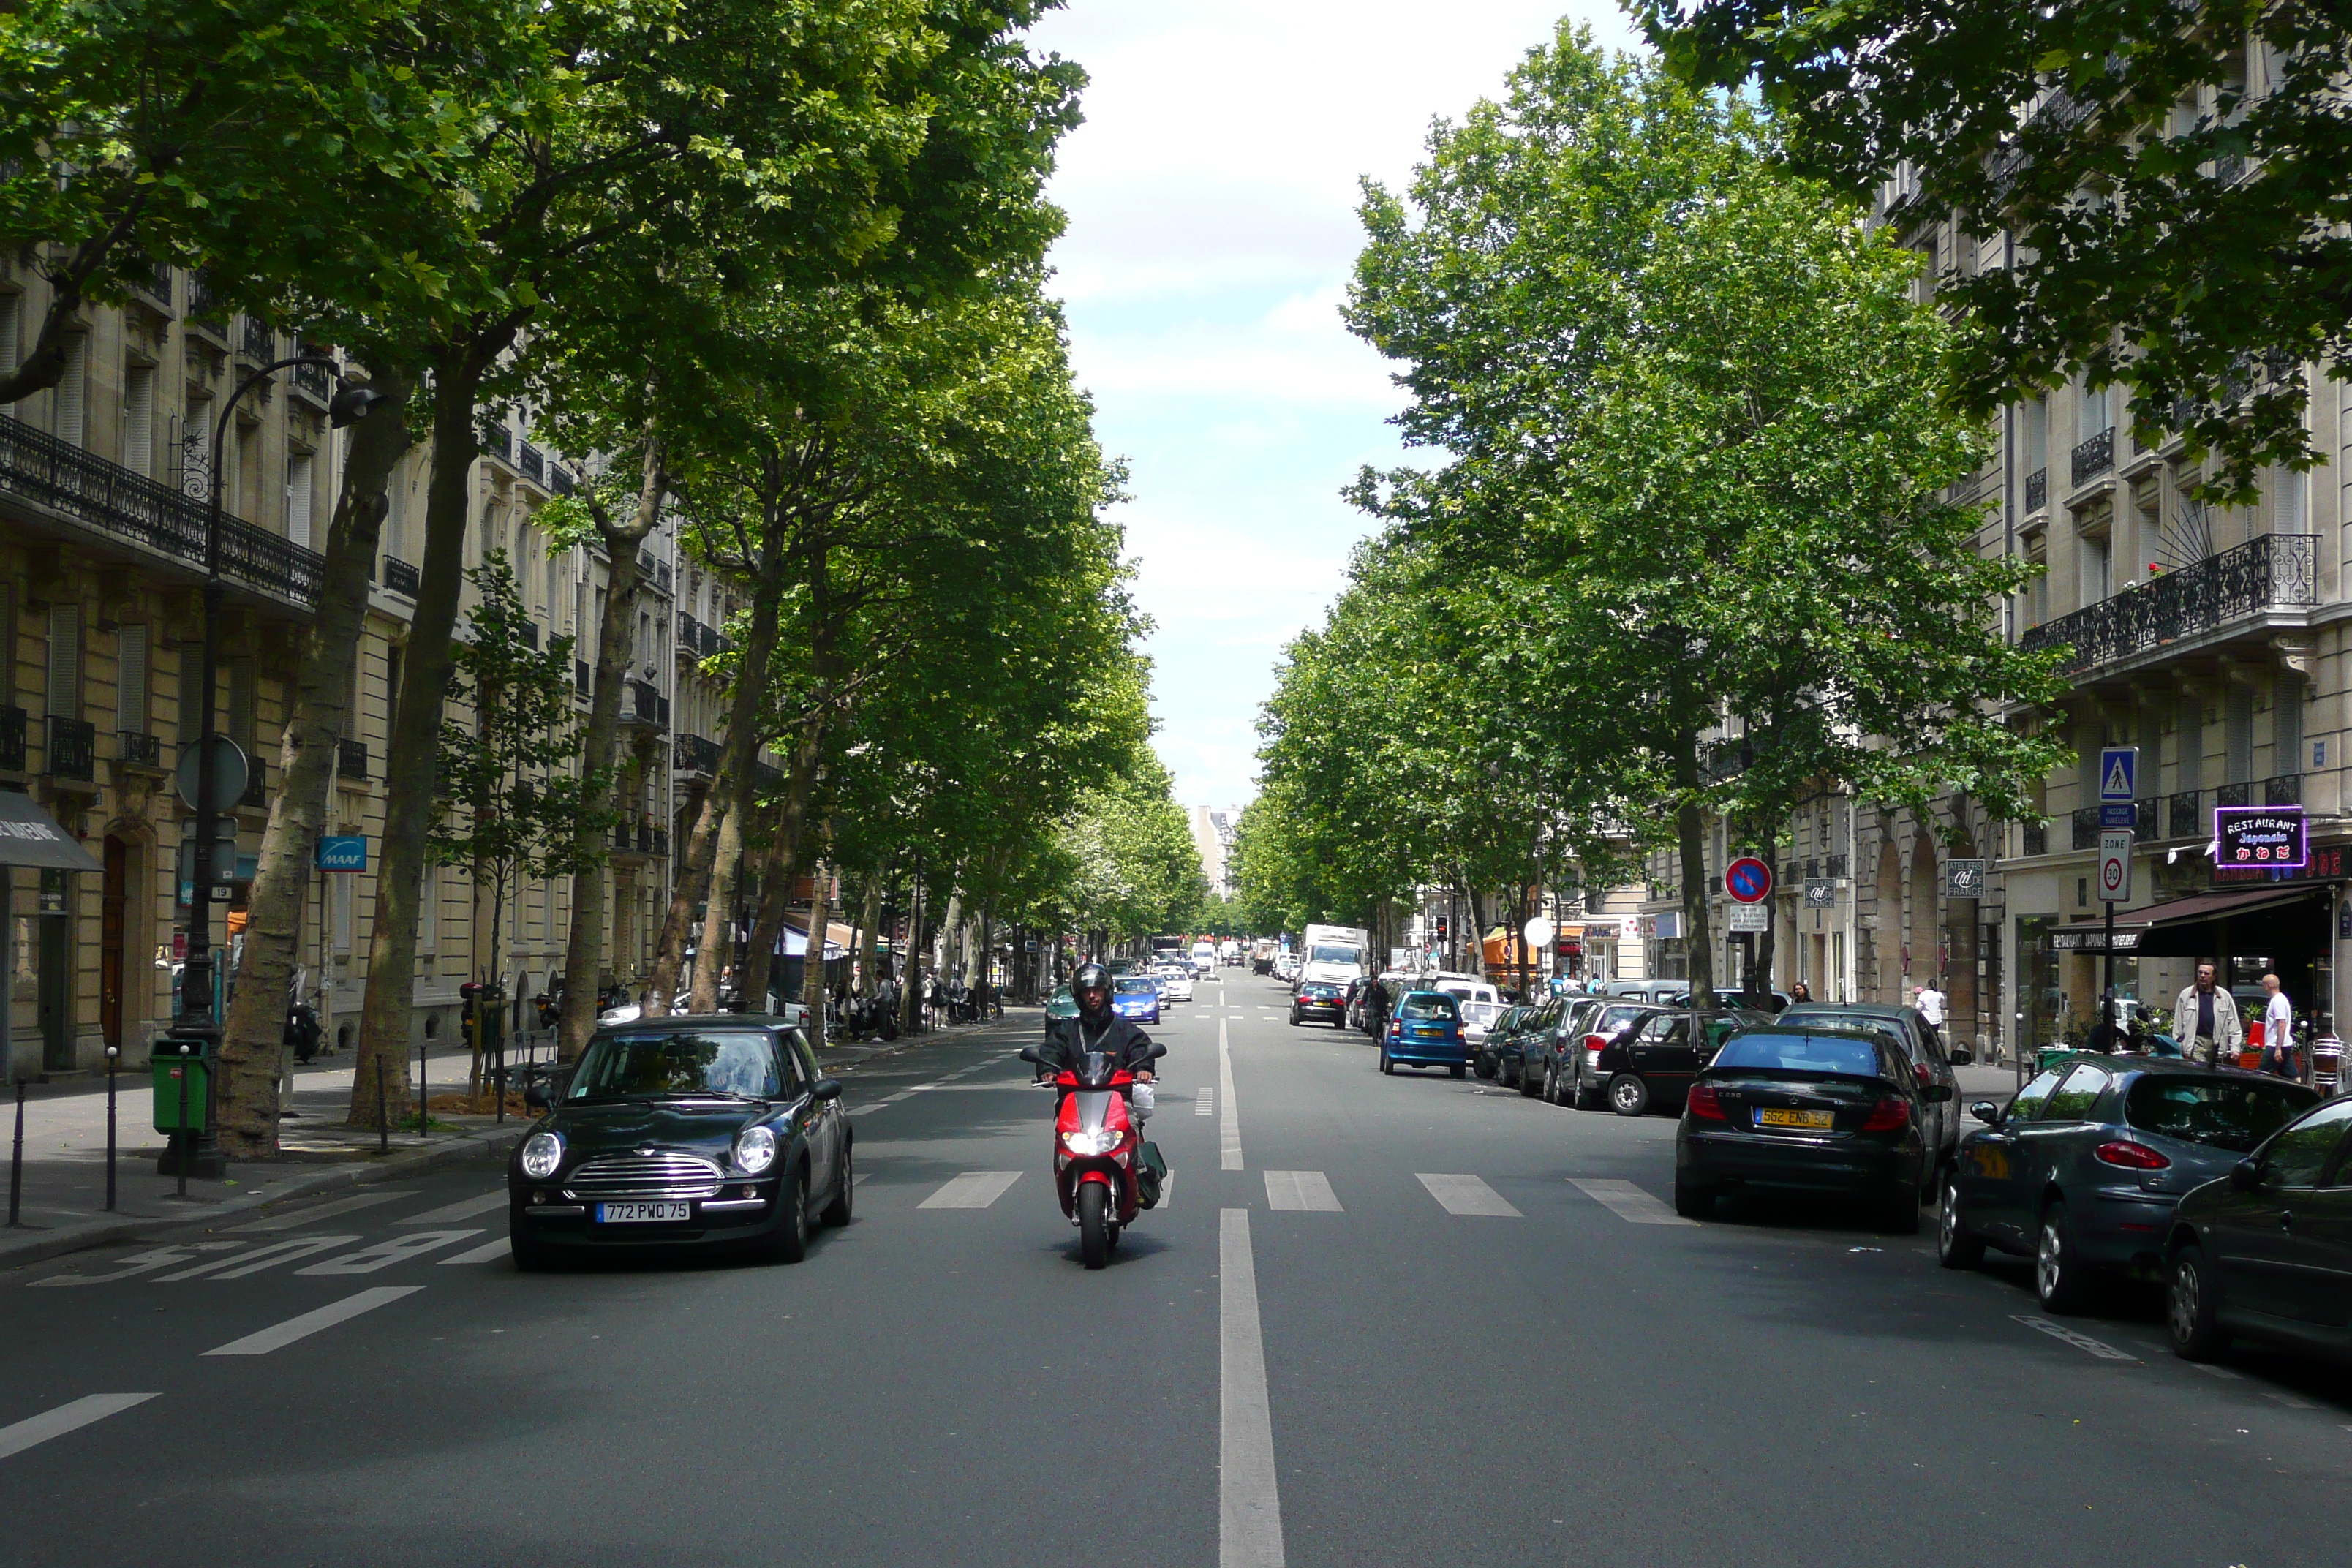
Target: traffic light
[[1444, 927]]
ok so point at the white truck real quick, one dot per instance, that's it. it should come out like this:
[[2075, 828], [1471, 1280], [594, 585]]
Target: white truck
[[1337, 954]]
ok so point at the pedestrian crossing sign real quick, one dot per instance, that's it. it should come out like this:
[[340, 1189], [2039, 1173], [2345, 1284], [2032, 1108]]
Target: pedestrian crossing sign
[[2119, 772]]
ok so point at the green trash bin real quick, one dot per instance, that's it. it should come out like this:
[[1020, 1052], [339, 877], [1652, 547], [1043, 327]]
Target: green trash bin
[[168, 1069], [2049, 1056]]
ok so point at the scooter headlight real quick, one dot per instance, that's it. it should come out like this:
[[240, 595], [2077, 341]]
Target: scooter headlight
[[755, 1150], [1091, 1143], [542, 1152]]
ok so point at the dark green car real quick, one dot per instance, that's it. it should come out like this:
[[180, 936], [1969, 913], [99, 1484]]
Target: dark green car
[[1059, 1006], [710, 1129]]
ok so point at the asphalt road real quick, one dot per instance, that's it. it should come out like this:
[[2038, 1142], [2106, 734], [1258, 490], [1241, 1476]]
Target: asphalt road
[[1380, 1320]]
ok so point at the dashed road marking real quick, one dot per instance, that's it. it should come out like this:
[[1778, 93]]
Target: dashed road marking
[[973, 1190], [2081, 1341], [1229, 1131], [1629, 1203], [278, 1335], [1309, 1191], [320, 1211], [2209, 1370], [489, 1252], [71, 1417], [1205, 1102], [2291, 1401], [1467, 1195], [1249, 1496]]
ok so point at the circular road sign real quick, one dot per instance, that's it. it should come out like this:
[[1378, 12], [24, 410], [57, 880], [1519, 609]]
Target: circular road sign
[[1747, 879], [1539, 933], [230, 774]]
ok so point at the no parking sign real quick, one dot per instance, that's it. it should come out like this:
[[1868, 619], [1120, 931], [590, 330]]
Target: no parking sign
[[1748, 881]]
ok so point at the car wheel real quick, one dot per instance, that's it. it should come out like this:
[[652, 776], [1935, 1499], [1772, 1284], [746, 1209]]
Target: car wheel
[[1628, 1095], [1530, 1085], [1551, 1095], [1693, 1201], [2061, 1281], [1387, 1066], [1506, 1073], [790, 1244], [1898, 1211], [1486, 1069], [2192, 1308], [1582, 1095], [836, 1213], [1956, 1247]]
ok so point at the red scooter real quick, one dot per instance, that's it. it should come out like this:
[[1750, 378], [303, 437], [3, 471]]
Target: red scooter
[[1104, 1172]]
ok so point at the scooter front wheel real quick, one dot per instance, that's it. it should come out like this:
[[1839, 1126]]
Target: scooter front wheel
[[1094, 1224]]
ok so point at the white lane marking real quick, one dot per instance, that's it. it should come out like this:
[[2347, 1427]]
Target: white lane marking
[[2209, 1370], [2289, 1400], [448, 1214], [1167, 1193], [1629, 1203], [1306, 1190], [862, 1110], [71, 1417], [321, 1211], [859, 1177], [489, 1252], [281, 1334], [1249, 1499], [1229, 1131], [2098, 1348], [1205, 1102], [253, 1262], [384, 1254], [141, 1263], [1467, 1195], [973, 1190]]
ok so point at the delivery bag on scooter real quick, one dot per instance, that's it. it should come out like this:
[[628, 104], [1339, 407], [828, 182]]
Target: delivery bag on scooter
[[1149, 1172]]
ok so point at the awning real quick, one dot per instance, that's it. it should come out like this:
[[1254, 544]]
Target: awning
[[2262, 920], [31, 837], [795, 944]]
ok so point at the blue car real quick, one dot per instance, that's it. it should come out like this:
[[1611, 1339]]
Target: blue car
[[1135, 997], [1426, 1031]]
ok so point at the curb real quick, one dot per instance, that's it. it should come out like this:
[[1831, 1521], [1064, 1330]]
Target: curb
[[99, 1232]]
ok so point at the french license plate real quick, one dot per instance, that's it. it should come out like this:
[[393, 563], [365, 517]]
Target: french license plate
[[1815, 1120], [642, 1213]]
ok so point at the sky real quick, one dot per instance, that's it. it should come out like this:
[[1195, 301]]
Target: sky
[[1211, 197]]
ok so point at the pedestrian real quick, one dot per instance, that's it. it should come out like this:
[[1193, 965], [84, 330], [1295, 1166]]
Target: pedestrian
[[2278, 1029], [2205, 1020], [1931, 1006], [1800, 994], [2108, 1036]]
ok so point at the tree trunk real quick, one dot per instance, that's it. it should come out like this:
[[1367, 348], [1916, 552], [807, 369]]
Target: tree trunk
[[911, 997], [812, 962], [254, 1038], [416, 735], [693, 883], [950, 956], [1690, 836], [739, 772], [780, 865], [583, 945], [869, 916]]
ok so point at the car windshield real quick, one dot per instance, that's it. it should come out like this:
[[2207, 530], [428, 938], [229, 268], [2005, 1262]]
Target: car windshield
[[1327, 952], [1429, 1004], [1799, 1053], [627, 1065], [2228, 1113], [1136, 987]]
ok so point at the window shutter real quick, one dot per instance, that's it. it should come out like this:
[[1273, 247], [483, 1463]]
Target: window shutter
[[12, 314], [298, 500], [73, 387], [192, 702], [138, 419], [64, 661], [130, 681], [240, 703]]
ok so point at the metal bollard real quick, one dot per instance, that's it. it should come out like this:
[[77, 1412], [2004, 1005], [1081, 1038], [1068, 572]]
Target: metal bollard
[[423, 1067], [186, 1140], [16, 1156], [383, 1111], [113, 1056]]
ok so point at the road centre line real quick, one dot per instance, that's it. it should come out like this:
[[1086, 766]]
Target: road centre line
[[322, 1211], [972, 1190], [2098, 1348], [1305, 1191], [278, 1335], [467, 1209], [1629, 1203], [1467, 1195], [1229, 1133], [71, 1417], [1249, 1497]]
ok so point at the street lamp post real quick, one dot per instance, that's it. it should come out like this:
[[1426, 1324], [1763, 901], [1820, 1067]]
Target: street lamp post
[[199, 1025]]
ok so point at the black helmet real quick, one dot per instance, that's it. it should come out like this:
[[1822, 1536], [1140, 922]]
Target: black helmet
[[1091, 977]]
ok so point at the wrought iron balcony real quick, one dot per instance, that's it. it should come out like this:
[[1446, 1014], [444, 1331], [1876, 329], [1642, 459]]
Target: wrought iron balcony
[[73, 749], [255, 339], [399, 577], [314, 379], [497, 441], [689, 635], [529, 634], [558, 478], [2235, 795], [2146, 816], [2037, 489], [534, 464], [139, 749], [2094, 456], [2037, 838], [644, 705], [206, 312], [2271, 571], [694, 754], [661, 841], [2287, 789], [112, 498], [155, 286], [352, 761]]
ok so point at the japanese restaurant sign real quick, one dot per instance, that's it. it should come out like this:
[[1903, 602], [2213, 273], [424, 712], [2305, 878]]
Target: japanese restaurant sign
[[2258, 837]]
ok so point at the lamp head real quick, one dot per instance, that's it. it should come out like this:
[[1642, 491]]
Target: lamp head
[[351, 405]]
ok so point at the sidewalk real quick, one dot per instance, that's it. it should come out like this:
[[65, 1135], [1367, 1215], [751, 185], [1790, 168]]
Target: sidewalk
[[62, 1203]]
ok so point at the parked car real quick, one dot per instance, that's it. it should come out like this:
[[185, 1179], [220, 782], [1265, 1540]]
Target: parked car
[[1060, 1004], [1658, 992], [1359, 992], [1136, 997], [1571, 1060], [1652, 1061], [2267, 1252], [693, 1130], [1478, 1018], [1425, 1032], [1486, 1045], [1518, 1057], [1321, 1001], [2084, 1168], [1810, 1110], [1931, 1058], [1286, 966]]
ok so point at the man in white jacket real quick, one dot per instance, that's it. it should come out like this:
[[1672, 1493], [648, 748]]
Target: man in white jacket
[[2205, 1020]]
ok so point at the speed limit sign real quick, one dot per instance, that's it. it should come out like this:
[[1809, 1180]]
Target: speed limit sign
[[2116, 867]]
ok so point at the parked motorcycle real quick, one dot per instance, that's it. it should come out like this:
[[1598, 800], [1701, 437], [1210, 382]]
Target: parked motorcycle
[[961, 1008], [1104, 1172]]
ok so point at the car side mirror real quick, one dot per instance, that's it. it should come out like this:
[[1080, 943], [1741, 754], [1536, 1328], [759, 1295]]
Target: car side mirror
[[826, 1089], [2246, 1175], [1935, 1094], [1029, 1054], [535, 1096], [1962, 1056], [1986, 1111]]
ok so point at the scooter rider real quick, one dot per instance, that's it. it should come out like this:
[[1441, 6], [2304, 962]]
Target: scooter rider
[[1096, 1028]]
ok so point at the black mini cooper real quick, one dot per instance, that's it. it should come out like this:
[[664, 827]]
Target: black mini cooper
[[712, 1130]]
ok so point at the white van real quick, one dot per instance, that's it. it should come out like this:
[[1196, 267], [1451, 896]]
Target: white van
[[1334, 953], [1204, 957]]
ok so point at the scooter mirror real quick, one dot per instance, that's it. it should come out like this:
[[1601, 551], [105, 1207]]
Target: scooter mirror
[[1029, 1054], [1157, 1051]]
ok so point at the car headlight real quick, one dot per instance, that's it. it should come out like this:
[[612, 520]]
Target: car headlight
[[755, 1149], [542, 1152], [1101, 1140]]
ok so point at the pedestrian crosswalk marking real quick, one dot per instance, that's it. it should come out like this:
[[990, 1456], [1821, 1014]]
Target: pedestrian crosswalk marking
[[973, 1190], [1205, 1102], [384, 1254], [321, 1211], [281, 1334], [1467, 1195], [448, 1214], [1629, 1203], [68, 1417], [1309, 1191]]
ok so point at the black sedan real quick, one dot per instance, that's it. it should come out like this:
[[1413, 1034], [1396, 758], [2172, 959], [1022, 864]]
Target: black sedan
[[711, 1130], [1809, 1110], [2267, 1252], [1323, 1001], [1652, 1061]]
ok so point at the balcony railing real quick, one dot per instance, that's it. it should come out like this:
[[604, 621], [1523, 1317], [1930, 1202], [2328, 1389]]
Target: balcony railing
[[155, 286], [558, 478], [2273, 571], [2037, 489], [645, 705], [111, 497], [2037, 838], [139, 749], [254, 340], [694, 754], [689, 636], [534, 464], [2146, 817], [73, 749], [400, 577], [205, 310], [352, 761], [2094, 456], [314, 379], [529, 634]]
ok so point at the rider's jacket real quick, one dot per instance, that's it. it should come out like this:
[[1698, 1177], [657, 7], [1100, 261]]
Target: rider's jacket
[[1070, 1039]]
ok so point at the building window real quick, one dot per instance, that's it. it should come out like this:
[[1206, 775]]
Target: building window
[[2239, 718], [138, 419], [73, 392], [130, 679], [2098, 571], [428, 911], [240, 702], [298, 499], [64, 661], [12, 315]]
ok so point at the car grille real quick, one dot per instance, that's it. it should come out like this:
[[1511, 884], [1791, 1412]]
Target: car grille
[[657, 1175]]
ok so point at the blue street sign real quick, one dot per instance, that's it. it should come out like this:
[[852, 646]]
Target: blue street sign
[[2118, 772], [2113, 816], [337, 853]]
